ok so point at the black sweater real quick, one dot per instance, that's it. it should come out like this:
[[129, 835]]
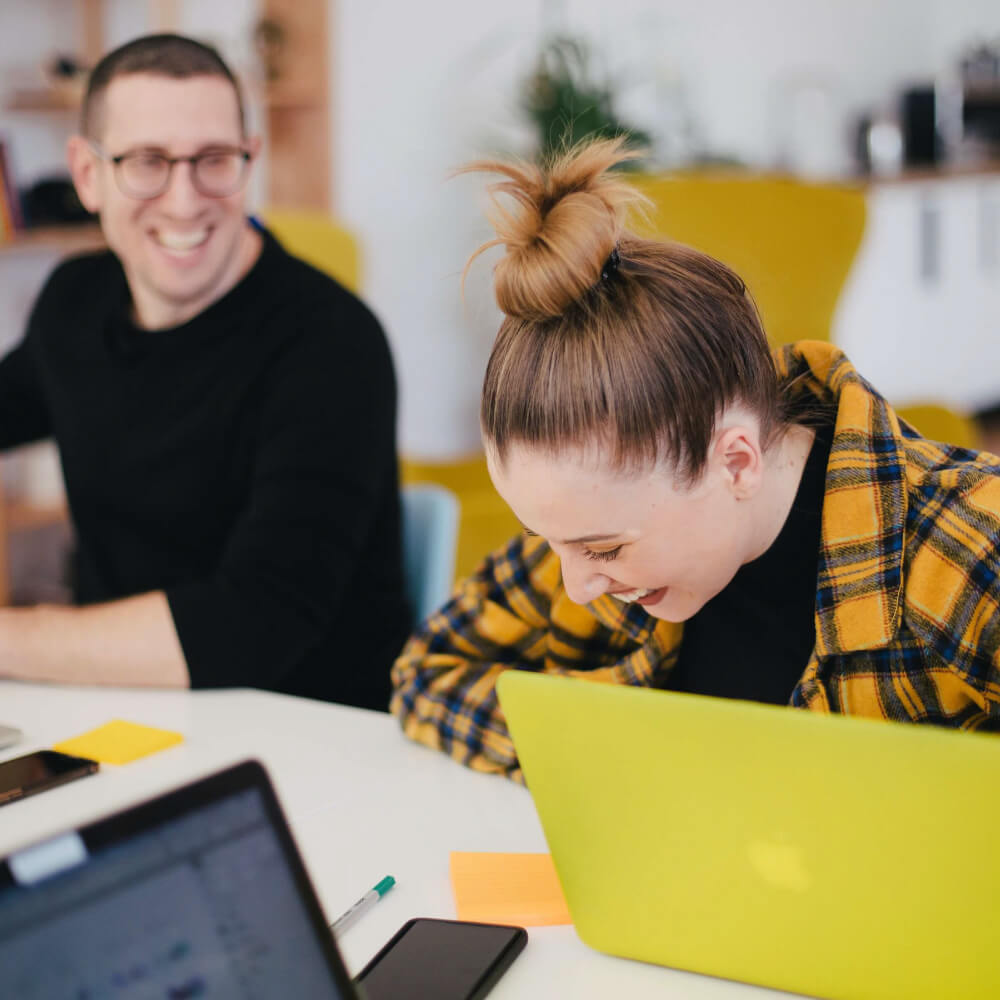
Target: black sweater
[[754, 638], [243, 462]]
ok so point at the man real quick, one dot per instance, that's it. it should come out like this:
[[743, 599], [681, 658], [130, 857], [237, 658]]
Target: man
[[225, 417]]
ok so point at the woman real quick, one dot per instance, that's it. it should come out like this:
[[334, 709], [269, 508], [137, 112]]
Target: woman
[[698, 514]]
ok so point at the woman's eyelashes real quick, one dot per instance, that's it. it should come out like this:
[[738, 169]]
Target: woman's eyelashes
[[605, 556]]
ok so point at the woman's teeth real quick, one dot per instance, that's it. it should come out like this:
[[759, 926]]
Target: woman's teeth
[[632, 595]]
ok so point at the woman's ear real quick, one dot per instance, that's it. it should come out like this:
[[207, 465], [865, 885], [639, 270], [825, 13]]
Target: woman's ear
[[738, 455]]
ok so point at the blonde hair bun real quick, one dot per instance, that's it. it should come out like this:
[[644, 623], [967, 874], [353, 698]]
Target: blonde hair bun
[[559, 224]]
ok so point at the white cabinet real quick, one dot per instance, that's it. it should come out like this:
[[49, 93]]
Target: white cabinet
[[920, 314]]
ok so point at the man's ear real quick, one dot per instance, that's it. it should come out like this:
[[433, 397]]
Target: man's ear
[[83, 168]]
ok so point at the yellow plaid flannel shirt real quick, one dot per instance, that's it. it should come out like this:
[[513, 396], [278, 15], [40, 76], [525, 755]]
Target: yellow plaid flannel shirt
[[906, 599]]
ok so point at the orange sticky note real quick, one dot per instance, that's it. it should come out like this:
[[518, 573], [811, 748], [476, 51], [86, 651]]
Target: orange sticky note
[[520, 889], [119, 742]]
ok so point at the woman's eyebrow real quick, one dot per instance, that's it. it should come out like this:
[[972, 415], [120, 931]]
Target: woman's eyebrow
[[577, 541]]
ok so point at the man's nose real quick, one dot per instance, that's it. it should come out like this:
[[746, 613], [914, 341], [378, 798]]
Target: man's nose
[[181, 197]]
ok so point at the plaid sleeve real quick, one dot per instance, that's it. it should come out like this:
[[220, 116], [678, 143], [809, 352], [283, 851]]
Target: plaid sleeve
[[512, 613], [444, 679], [953, 594]]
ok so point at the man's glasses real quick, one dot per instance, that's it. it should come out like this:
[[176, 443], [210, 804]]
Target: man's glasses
[[216, 173]]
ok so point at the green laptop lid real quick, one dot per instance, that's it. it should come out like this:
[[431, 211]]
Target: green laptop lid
[[833, 856]]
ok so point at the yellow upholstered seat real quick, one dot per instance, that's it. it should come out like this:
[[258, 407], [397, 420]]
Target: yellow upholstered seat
[[319, 241], [941, 424], [791, 241]]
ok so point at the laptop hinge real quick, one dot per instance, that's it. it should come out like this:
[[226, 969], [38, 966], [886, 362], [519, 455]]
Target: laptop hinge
[[48, 858]]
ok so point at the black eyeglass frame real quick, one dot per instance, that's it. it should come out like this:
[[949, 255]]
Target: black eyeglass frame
[[171, 161]]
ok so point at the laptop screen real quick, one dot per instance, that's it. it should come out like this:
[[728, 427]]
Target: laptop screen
[[209, 903]]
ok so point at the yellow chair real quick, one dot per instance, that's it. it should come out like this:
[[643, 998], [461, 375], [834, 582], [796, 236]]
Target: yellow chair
[[793, 242], [941, 424], [319, 241]]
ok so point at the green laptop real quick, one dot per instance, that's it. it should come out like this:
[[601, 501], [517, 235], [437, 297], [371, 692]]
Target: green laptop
[[833, 856]]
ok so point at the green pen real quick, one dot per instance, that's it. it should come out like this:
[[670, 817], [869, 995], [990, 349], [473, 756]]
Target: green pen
[[369, 899]]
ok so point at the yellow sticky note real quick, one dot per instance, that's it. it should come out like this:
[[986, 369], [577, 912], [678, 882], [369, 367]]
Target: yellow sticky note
[[119, 742], [520, 889]]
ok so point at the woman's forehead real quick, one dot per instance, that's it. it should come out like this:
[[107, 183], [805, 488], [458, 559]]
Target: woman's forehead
[[593, 461], [570, 495]]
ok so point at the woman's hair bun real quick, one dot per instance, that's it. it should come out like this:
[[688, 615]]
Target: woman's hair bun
[[559, 224]]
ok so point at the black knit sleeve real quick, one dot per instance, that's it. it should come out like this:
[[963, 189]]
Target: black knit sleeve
[[24, 413], [325, 448]]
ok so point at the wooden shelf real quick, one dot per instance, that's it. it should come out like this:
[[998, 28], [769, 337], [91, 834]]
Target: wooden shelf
[[278, 98], [63, 239], [982, 91], [46, 101], [23, 515], [297, 106], [942, 171]]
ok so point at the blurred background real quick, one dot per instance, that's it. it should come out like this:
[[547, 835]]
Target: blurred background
[[844, 156]]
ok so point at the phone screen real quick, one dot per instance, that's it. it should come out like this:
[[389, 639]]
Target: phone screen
[[34, 772], [441, 960]]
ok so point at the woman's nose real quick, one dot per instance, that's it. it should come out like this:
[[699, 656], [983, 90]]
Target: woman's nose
[[581, 578]]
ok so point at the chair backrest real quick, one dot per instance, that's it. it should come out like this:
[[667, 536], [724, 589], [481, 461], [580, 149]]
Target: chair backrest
[[486, 522], [430, 535], [319, 241], [791, 241]]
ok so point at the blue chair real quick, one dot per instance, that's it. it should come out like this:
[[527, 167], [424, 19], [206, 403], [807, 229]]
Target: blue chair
[[430, 538]]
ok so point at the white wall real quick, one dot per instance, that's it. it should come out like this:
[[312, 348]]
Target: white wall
[[955, 25], [419, 89]]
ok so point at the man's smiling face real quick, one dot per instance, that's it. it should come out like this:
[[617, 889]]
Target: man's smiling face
[[181, 250]]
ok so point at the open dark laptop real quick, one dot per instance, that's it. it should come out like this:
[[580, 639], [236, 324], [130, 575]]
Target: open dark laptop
[[198, 893]]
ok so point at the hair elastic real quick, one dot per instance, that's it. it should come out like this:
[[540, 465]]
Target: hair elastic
[[610, 265]]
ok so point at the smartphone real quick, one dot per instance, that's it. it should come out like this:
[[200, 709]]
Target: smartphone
[[441, 960], [34, 772]]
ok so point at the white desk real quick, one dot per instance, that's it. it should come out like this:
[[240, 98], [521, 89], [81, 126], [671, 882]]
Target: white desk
[[362, 801]]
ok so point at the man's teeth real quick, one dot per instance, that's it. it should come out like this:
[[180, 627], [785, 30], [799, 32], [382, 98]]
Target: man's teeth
[[632, 595], [182, 241]]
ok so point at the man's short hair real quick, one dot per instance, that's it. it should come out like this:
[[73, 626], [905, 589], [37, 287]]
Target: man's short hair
[[168, 55]]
